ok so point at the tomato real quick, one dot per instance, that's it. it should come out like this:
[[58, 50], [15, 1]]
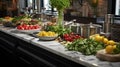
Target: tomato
[[27, 27], [30, 27], [72, 33], [23, 25], [67, 39], [77, 36], [20, 27], [71, 37], [66, 35]]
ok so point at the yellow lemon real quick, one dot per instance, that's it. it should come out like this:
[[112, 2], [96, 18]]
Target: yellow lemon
[[98, 38], [101, 38], [51, 33], [105, 40], [54, 34], [45, 34], [111, 42], [109, 49], [39, 34], [42, 31], [114, 46]]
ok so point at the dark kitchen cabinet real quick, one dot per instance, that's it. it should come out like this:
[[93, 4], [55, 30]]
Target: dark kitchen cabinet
[[22, 53]]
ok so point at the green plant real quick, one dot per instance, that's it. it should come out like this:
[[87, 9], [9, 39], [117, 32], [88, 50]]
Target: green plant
[[58, 29], [60, 5], [117, 49], [85, 46]]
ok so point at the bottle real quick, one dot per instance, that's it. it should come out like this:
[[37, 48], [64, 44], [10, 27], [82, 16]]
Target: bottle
[[107, 23]]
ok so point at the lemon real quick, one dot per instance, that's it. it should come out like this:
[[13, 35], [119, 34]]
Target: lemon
[[45, 34], [105, 40], [101, 38], [39, 34], [109, 49], [51, 33], [114, 46], [98, 38], [111, 42]]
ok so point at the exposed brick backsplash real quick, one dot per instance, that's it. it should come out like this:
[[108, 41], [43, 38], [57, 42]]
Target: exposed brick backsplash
[[101, 9]]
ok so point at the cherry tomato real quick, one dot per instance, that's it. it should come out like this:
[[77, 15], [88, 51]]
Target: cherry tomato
[[66, 35]]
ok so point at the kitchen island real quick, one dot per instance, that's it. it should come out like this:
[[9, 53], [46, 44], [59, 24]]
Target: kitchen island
[[32, 51]]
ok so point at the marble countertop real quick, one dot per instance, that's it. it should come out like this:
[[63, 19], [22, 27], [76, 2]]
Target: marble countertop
[[57, 48]]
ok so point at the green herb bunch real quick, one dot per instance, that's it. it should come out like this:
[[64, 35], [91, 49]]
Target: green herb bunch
[[117, 49], [60, 5], [86, 46], [58, 30]]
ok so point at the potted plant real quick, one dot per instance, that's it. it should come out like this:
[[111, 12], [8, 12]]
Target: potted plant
[[60, 5]]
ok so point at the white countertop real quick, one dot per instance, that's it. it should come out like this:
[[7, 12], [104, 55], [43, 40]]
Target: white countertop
[[57, 48]]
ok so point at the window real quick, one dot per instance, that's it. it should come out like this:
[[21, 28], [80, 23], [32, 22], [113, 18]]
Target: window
[[117, 7], [47, 5]]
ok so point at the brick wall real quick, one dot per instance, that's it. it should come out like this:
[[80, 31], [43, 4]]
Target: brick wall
[[101, 9]]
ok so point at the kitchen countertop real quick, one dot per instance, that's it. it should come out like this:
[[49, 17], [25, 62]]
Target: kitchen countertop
[[56, 48]]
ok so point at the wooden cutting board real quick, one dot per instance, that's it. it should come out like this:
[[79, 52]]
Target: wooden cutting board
[[102, 55]]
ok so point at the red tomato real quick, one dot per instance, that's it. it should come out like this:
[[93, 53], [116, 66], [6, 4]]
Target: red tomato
[[66, 35], [20, 27], [34, 27], [26, 28], [72, 33], [23, 25], [30, 27]]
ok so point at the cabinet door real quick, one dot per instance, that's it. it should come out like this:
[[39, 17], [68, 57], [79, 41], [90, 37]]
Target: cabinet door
[[31, 59]]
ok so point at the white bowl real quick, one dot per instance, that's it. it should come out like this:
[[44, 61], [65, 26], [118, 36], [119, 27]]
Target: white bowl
[[28, 31], [47, 38]]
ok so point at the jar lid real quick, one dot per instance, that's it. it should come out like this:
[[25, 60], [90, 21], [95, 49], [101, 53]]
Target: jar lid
[[91, 25]]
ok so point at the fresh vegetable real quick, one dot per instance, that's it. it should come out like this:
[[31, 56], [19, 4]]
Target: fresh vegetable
[[60, 5], [58, 29], [17, 18], [25, 19], [28, 27], [86, 46], [71, 36], [117, 48], [111, 47], [7, 19]]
